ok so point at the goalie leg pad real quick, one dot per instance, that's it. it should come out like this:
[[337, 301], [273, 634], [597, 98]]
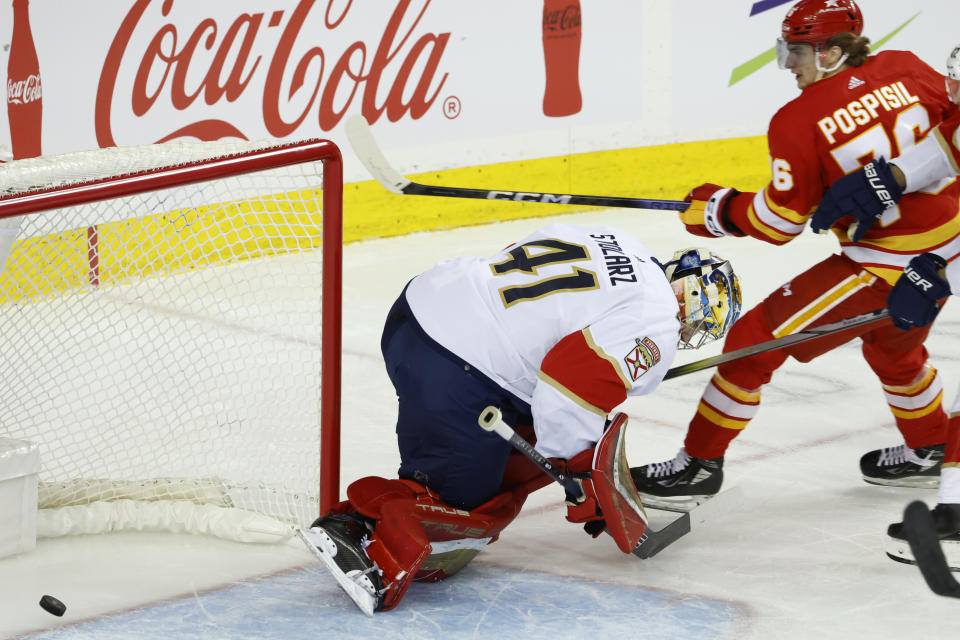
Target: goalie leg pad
[[610, 491], [398, 544], [457, 536], [419, 538]]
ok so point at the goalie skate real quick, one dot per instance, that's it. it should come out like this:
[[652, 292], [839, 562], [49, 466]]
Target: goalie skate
[[338, 542]]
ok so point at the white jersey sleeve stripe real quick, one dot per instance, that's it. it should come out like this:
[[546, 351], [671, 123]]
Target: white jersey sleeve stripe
[[864, 255], [770, 218]]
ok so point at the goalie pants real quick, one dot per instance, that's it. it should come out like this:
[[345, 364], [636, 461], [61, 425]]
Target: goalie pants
[[832, 290], [440, 399]]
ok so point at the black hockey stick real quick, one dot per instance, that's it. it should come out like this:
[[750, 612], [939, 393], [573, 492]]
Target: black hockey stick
[[651, 542], [491, 420], [779, 343], [925, 545], [364, 145]]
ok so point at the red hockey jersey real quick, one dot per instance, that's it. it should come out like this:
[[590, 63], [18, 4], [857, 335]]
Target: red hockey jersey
[[835, 126]]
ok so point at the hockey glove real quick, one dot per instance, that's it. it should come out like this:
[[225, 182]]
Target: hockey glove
[[913, 300], [864, 194], [706, 215], [585, 508]]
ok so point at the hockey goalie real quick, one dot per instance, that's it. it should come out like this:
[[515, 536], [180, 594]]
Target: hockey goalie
[[555, 331]]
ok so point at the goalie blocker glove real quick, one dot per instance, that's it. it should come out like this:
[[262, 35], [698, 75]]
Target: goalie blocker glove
[[913, 301], [864, 194], [610, 501]]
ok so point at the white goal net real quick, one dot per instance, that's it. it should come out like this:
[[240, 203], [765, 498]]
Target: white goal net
[[169, 315]]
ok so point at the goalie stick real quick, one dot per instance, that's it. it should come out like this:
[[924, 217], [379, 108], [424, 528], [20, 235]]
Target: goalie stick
[[927, 552], [778, 343], [367, 151], [651, 542]]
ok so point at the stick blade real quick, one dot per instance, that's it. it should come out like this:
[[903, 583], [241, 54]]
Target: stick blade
[[692, 516], [653, 542], [364, 145], [925, 544]]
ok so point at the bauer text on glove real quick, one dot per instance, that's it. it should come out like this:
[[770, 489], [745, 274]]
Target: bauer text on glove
[[864, 194], [913, 300]]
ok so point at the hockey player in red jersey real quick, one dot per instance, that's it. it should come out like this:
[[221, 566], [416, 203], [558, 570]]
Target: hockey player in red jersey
[[554, 331], [866, 194], [852, 107], [928, 278]]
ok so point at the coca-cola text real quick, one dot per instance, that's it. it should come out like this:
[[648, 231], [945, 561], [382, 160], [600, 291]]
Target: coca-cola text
[[318, 88], [23, 91]]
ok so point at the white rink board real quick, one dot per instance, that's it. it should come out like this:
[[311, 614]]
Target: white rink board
[[800, 557]]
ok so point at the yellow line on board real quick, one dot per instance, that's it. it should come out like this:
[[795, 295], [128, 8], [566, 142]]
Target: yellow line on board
[[665, 172], [54, 264]]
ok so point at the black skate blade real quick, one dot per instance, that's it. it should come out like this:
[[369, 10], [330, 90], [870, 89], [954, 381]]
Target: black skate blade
[[927, 552]]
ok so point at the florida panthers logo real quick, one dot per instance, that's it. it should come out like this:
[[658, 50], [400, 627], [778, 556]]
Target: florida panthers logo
[[642, 357]]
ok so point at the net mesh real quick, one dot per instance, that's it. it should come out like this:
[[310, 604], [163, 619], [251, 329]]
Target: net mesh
[[167, 345]]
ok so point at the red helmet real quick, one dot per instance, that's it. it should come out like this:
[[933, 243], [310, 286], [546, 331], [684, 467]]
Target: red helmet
[[815, 21]]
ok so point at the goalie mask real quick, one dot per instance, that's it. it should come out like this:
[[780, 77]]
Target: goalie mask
[[708, 293]]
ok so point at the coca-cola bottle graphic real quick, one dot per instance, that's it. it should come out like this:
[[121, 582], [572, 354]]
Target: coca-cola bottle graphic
[[561, 57], [24, 93]]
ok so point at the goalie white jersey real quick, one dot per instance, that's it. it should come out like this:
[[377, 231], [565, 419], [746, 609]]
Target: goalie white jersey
[[570, 319]]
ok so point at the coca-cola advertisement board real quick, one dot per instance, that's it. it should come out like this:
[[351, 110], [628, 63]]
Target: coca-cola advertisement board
[[445, 83]]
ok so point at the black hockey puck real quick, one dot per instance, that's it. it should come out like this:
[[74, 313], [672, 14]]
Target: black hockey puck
[[52, 605]]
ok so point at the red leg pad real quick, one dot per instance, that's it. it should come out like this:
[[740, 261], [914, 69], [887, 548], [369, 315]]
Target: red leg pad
[[457, 536], [368, 494], [419, 538], [399, 547]]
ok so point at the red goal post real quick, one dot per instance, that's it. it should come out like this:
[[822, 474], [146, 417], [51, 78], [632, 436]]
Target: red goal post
[[130, 263]]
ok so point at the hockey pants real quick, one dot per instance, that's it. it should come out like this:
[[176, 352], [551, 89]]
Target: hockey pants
[[440, 398], [832, 290]]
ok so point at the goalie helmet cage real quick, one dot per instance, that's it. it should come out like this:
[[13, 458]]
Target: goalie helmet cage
[[170, 334]]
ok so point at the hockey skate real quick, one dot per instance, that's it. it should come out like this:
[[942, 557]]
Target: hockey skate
[[679, 484], [902, 466], [338, 540], [946, 521]]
